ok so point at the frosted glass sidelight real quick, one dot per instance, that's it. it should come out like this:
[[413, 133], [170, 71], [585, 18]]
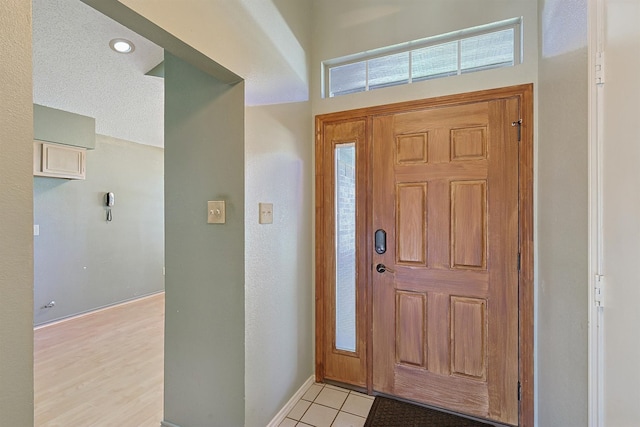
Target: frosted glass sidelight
[[345, 243]]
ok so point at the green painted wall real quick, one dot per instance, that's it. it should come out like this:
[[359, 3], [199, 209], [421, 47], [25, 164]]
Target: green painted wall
[[81, 261], [204, 336], [63, 127]]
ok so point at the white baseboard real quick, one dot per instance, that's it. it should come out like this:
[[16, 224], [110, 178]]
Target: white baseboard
[[97, 310], [282, 414]]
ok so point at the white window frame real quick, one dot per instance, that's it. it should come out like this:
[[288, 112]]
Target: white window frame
[[458, 36]]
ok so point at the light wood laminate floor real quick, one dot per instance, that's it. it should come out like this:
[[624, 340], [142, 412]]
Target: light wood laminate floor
[[102, 369]]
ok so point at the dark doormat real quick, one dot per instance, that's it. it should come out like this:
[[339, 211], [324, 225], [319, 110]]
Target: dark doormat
[[393, 413]]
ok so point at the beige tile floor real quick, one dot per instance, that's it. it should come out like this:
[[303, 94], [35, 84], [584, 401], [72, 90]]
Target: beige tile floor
[[324, 405]]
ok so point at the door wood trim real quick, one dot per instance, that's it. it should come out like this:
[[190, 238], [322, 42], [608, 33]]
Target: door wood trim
[[526, 291], [525, 227]]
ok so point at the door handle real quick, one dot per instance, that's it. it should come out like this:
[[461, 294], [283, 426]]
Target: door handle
[[381, 268]]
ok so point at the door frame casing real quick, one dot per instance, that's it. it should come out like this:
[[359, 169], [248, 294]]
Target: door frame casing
[[525, 227]]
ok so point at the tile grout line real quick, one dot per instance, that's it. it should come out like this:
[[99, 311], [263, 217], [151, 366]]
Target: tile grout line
[[305, 411], [325, 406], [351, 392], [337, 413], [311, 404], [339, 410]]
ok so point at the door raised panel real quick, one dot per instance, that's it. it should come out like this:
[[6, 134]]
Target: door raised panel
[[468, 224], [411, 223], [411, 331], [468, 332], [469, 143], [412, 148]]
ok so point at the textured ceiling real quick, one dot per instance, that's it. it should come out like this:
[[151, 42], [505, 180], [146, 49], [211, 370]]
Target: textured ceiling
[[265, 42], [74, 69]]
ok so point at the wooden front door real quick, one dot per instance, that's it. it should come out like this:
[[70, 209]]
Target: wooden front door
[[443, 314], [445, 292]]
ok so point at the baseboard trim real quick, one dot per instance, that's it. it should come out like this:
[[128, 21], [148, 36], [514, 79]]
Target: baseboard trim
[[282, 414], [96, 310]]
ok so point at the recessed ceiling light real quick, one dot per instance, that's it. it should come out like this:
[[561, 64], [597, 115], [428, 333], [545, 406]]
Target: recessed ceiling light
[[122, 45]]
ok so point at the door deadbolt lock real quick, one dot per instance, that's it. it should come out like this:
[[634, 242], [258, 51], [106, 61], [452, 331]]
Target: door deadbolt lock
[[380, 240]]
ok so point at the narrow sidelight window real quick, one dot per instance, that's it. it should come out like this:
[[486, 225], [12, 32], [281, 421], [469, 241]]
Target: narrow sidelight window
[[345, 239]]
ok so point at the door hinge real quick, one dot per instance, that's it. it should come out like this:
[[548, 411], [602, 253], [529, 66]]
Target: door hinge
[[599, 71], [519, 258], [519, 124], [598, 291], [519, 391]]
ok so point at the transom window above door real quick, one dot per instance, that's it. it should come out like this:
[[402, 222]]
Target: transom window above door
[[494, 45]]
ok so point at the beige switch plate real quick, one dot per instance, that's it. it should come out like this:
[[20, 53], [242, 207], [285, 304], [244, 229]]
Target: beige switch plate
[[216, 212], [266, 213]]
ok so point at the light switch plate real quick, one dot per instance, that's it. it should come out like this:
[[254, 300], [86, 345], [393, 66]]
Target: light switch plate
[[266, 213], [216, 212]]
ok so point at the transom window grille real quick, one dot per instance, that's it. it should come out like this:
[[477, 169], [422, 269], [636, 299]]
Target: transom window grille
[[474, 49]]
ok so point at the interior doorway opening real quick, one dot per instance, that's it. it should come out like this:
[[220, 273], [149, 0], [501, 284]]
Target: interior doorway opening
[[94, 256]]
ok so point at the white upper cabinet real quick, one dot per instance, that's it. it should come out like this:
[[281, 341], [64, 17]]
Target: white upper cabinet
[[58, 161]]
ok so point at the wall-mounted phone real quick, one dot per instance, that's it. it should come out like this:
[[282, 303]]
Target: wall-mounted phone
[[109, 200]]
